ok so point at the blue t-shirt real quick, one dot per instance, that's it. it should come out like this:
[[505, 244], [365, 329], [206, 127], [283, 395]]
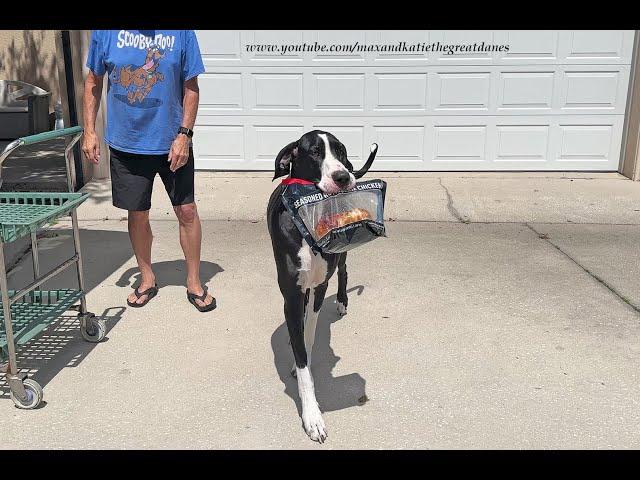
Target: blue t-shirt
[[146, 71]]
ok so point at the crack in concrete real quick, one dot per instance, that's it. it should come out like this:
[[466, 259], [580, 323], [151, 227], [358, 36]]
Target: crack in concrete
[[601, 281], [452, 209]]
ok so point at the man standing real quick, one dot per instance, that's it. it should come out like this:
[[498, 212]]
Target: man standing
[[152, 102]]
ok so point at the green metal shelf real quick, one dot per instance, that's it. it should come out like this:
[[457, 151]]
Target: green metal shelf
[[24, 213], [34, 312]]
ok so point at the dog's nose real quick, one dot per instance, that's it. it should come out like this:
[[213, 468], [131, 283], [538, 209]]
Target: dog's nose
[[341, 177]]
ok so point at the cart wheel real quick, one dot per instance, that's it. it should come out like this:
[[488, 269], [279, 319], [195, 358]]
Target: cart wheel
[[34, 395], [94, 328]]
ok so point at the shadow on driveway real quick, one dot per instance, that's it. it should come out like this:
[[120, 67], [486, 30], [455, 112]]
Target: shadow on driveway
[[170, 273]]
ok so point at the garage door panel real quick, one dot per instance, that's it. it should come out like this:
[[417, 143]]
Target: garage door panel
[[459, 143], [596, 45], [335, 91], [525, 91], [220, 48], [530, 46], [518, 143], [581, 143], [456, 91], [275, 91], [555, 101], [221, 91], [402, 142], [400, 91], [602, 90], [219, 144]]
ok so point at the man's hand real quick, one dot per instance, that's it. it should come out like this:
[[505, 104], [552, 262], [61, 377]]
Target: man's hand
[[179, 153], [91, 146]]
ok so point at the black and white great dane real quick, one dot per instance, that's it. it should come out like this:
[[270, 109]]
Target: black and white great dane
[[303, 275]]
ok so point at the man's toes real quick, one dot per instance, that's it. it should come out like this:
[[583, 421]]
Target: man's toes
[[208, 301]]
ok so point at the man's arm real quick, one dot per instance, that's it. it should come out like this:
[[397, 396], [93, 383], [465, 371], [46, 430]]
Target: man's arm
[[179, 153], [91, 103]]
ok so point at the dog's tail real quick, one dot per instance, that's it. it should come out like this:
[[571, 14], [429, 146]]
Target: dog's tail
[[365, 168]]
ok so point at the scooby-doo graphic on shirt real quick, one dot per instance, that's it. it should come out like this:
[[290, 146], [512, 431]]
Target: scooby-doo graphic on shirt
[[139, 80], [146, 72]]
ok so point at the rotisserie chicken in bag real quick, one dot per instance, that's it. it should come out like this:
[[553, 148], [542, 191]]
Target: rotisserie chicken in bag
[[336, 223]]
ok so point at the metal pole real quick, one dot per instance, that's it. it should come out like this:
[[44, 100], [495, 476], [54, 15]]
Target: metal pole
[[79, 268], [71, 169], [6, 306], [71, 98], [34, 256]]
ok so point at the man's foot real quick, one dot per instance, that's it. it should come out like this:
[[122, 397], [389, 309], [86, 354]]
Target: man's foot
[[197, 297], [145, 285]]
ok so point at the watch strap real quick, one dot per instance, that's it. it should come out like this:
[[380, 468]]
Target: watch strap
[[187, 131]]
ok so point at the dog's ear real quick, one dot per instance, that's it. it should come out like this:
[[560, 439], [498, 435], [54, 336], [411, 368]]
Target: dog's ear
[[284, 158]]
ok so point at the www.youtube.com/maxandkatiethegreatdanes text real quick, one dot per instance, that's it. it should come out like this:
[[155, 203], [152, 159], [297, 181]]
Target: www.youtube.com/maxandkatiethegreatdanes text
[[395, 47]]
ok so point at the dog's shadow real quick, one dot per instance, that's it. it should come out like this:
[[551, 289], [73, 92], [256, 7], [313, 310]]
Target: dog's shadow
[[332, 393], [172, 272]]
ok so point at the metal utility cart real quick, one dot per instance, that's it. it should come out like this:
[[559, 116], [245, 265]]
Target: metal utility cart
[[26, 312]]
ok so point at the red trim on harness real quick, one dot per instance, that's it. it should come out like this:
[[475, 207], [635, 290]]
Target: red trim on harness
[[300, 181]]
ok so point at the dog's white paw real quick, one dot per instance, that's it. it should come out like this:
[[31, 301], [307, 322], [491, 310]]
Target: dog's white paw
[[342, 308], [314, 424]]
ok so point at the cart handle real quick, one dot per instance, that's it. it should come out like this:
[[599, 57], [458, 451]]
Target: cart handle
[[44, 136]]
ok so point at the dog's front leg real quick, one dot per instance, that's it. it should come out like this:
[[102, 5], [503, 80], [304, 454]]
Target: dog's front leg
[[294, 306]]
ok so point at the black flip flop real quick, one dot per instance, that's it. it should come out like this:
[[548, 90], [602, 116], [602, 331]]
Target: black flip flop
[[192, 297], [149, 292]]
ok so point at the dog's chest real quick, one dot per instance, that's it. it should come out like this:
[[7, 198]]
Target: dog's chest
[[313, 268]]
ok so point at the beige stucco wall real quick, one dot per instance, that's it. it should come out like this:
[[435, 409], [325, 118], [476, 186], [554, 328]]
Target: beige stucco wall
[[30, 56]]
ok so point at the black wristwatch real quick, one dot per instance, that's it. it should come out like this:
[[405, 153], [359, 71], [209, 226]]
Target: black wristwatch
[[187, 131]]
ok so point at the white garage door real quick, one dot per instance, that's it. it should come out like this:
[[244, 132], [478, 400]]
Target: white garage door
[[554, 101]]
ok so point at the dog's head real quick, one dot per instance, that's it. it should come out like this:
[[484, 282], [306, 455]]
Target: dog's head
[[318, 157], [154, 53]]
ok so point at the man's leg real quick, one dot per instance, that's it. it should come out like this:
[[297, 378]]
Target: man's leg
[[131, 187], [191, 241], [180, 188], [141, 240]]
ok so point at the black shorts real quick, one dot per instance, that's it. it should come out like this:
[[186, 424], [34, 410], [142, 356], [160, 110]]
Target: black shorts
[[132, 176]]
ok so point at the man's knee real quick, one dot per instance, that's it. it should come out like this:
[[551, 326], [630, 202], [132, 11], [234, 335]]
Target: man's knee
[[187, 214], [140, 216]]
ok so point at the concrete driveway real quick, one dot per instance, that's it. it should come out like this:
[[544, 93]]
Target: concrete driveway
[[501, 312]]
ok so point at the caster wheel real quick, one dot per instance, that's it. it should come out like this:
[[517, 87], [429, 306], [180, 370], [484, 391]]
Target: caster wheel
[[34, 395], [94, 328]]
